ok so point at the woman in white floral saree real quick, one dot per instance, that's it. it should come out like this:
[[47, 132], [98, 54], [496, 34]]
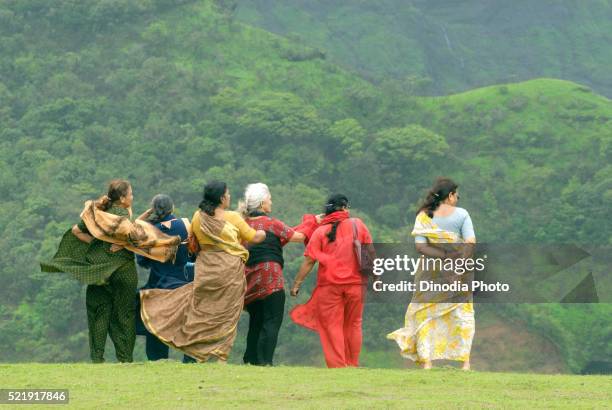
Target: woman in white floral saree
[[439, 326]]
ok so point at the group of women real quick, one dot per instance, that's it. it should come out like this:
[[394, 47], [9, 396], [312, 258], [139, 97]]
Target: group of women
[[205, 272]]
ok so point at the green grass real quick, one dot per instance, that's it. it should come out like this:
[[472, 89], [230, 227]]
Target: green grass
[[174, 385]]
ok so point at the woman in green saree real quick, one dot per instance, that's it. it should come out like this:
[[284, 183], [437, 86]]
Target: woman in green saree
[[109, 271]]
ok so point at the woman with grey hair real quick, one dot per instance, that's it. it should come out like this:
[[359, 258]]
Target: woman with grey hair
[[265, 295], [168, 275]]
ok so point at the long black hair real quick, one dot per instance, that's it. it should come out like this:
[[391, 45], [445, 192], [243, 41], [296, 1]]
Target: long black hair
[[162, 206], [213, 194], [336, 202], [441, 189]]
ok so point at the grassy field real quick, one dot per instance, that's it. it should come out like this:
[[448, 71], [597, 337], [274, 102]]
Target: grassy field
[[174, 385]]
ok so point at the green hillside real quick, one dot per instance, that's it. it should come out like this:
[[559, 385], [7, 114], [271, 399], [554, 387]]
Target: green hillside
[[530, 138], [445, 46], [171, 94], [172, 385]]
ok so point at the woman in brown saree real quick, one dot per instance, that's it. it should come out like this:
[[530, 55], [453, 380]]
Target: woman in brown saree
[[201, 318]]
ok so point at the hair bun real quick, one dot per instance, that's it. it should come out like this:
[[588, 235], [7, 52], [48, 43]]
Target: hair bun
[[102, 202]]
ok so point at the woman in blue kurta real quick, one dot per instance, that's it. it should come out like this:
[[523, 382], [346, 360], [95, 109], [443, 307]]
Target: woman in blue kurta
[[166, 275]]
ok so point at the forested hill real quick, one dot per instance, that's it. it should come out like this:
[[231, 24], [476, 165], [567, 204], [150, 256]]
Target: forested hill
[[446, 46], [171, 94]]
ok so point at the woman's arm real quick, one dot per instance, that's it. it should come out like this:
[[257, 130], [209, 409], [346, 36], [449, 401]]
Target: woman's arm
[[469, 237], [468, 247], [309, 224], [247, 234], [84, 237], [145, 215], [431, 251], [259, 237], [87, 238], [298, 237], [305, 269], [467, 229]]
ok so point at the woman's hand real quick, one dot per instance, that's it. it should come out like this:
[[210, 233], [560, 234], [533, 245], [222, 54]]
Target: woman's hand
[[298, 237], [115, 248], [83, 237], [145, 214], [259, 237], [454, 254], [430, 251], [305, 268]]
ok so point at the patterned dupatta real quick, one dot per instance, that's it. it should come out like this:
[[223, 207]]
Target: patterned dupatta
[[139, 236], [225, 235], [425, 226]]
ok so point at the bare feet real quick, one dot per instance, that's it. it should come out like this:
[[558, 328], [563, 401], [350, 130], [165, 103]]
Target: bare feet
[[427, 365], [466, 365]]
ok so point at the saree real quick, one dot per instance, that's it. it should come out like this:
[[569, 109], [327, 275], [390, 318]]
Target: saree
[[139, 237], [201, 317], [440, 325]]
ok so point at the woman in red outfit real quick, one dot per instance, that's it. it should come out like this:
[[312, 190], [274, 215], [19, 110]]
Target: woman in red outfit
[[336, 307], [265, 294]]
